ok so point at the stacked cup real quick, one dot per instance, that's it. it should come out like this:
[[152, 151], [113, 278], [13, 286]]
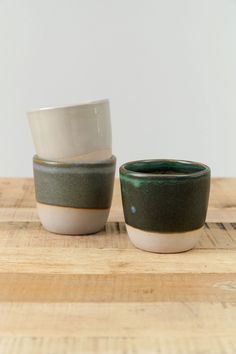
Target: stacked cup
[[74, 167]]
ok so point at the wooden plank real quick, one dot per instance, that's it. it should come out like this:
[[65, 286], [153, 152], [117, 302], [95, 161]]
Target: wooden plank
[[18, 215], [204, 344], [113, 261], [219, 236], [161, 320], [98, 294], [126, 288], [226, 215], [32, 234], [223, 193], [17, 193]]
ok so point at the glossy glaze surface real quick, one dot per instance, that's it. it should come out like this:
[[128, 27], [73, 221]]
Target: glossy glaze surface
[[165, 195], [75, 133]]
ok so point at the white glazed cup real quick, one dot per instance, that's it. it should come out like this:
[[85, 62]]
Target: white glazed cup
[[73, 133]]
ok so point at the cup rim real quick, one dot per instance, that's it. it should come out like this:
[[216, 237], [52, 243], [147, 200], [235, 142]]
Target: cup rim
[[83, 104], [204, 169], [93, 163]]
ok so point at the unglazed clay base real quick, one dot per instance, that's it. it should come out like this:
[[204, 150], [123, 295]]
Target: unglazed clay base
[[71, 221], [163, 242]]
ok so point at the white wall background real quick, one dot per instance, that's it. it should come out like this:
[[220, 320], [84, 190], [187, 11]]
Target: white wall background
[[168, 67]]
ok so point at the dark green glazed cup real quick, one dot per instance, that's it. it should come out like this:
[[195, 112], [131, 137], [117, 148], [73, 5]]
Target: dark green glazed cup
[[165, 203], [74, 198]]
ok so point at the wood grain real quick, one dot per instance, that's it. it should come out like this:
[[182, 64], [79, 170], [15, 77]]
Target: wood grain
[[98, 294], [28, 287], [32, 234], [118, 319], [203, 344], [112, 261]]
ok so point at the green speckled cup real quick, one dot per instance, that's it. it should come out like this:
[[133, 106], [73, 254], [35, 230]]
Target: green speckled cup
[[73, 198], [165, 203]]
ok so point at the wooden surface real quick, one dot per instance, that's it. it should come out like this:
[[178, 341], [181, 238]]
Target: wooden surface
[[98, 294]]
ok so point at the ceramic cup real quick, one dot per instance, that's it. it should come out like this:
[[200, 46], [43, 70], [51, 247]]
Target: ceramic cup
[[165, 203], [74, 198], [72, 134]]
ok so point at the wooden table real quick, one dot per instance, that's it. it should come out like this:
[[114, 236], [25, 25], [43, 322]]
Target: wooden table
[[98, 294]]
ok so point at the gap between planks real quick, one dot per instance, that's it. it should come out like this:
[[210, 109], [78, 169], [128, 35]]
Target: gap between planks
[[32, 234]]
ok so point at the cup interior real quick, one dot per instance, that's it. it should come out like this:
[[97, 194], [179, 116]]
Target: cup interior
[[164, 167]]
